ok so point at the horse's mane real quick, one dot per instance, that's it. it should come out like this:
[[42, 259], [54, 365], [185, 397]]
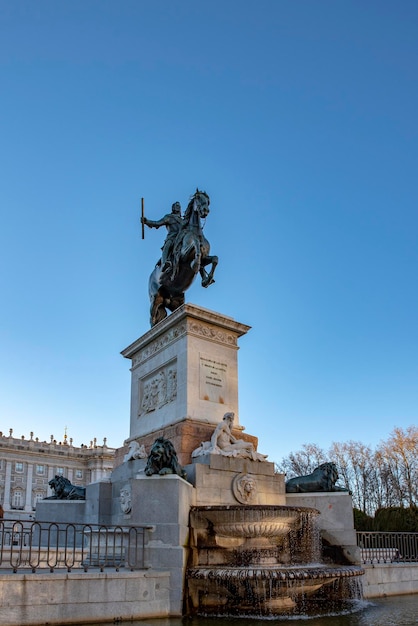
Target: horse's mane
[[189, 208]]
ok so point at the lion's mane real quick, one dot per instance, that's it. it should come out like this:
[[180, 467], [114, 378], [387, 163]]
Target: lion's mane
[[162, 459], [65, 490]]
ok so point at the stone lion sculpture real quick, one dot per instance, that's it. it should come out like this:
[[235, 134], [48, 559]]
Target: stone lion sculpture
[[162, 459], [323, 478]]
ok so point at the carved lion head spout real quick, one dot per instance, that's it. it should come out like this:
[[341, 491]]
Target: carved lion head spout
[[163, 460], [323, 478]]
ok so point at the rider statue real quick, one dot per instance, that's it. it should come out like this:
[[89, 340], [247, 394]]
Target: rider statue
[[173, 222], [185, 254]]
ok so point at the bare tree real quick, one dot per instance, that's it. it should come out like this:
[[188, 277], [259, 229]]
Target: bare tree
[[382, 492], [302, 462], [400, 452], [354, 461], [338, 455], [380, 478]]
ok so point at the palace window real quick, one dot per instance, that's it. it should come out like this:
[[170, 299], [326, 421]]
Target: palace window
[[18, 466], [40, 469], [17, 502], [39, 495], [79, 473], [60, 471]]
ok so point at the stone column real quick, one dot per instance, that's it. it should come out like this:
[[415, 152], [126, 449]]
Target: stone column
[[8, 478], [50, 477], [29, 478]]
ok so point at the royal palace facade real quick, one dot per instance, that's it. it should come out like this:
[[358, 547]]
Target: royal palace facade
[[27, 465]]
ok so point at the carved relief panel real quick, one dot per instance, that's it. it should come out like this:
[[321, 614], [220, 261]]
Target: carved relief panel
[[158, 389]]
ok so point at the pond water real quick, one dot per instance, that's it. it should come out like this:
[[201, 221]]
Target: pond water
[[394, 611]]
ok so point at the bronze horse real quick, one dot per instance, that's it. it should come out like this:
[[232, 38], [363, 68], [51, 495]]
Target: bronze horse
[[190, 255]]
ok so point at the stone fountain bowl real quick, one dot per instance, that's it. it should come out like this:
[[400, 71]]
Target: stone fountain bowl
[[250, 530], [251, 521], [275, 591]]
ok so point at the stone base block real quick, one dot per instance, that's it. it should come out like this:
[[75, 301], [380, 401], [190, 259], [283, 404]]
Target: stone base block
[[336, 521], [221, 480], [162, 502], [98, 508], [85, 597], [186, 436], [66, 511], [390, 579]]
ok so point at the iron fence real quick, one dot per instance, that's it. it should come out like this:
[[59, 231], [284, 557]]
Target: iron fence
[[388, 547], [50, 545]]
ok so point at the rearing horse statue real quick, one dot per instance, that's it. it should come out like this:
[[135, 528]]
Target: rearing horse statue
[[185, 253]]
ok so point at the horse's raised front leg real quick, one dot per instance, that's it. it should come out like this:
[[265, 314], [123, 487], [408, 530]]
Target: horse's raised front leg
[[191, 248], [207, 278]]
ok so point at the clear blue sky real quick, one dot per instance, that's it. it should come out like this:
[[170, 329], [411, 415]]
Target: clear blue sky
[[299, 118]]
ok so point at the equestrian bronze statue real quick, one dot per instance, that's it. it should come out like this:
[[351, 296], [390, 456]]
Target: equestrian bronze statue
[[184, 254]]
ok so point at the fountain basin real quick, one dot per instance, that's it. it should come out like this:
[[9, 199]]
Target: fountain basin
[[275, 591], [265, 528], [249, 521], [250, 525], [262, 561], [288, 573]]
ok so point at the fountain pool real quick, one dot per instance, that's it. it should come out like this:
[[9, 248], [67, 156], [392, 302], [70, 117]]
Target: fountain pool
[[263, 561], [394, 611]]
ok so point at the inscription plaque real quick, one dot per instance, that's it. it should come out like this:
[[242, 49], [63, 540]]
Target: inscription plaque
[[213, 380]]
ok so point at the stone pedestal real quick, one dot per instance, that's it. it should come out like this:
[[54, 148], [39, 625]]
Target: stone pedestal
[[185, 436], [68, 511], [163, 502], [336, 521], [225, 481], [184, 378]]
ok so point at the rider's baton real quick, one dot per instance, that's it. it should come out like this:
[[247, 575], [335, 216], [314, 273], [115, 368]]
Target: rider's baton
[[142, 218]]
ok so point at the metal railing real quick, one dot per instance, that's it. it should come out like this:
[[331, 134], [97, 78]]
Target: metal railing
[[49, 546], [388, 547]]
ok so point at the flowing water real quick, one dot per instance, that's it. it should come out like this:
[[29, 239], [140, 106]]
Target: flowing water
[[263, 561], [394, 611]]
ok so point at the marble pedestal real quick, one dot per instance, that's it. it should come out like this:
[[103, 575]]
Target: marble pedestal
[[184, 378]]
